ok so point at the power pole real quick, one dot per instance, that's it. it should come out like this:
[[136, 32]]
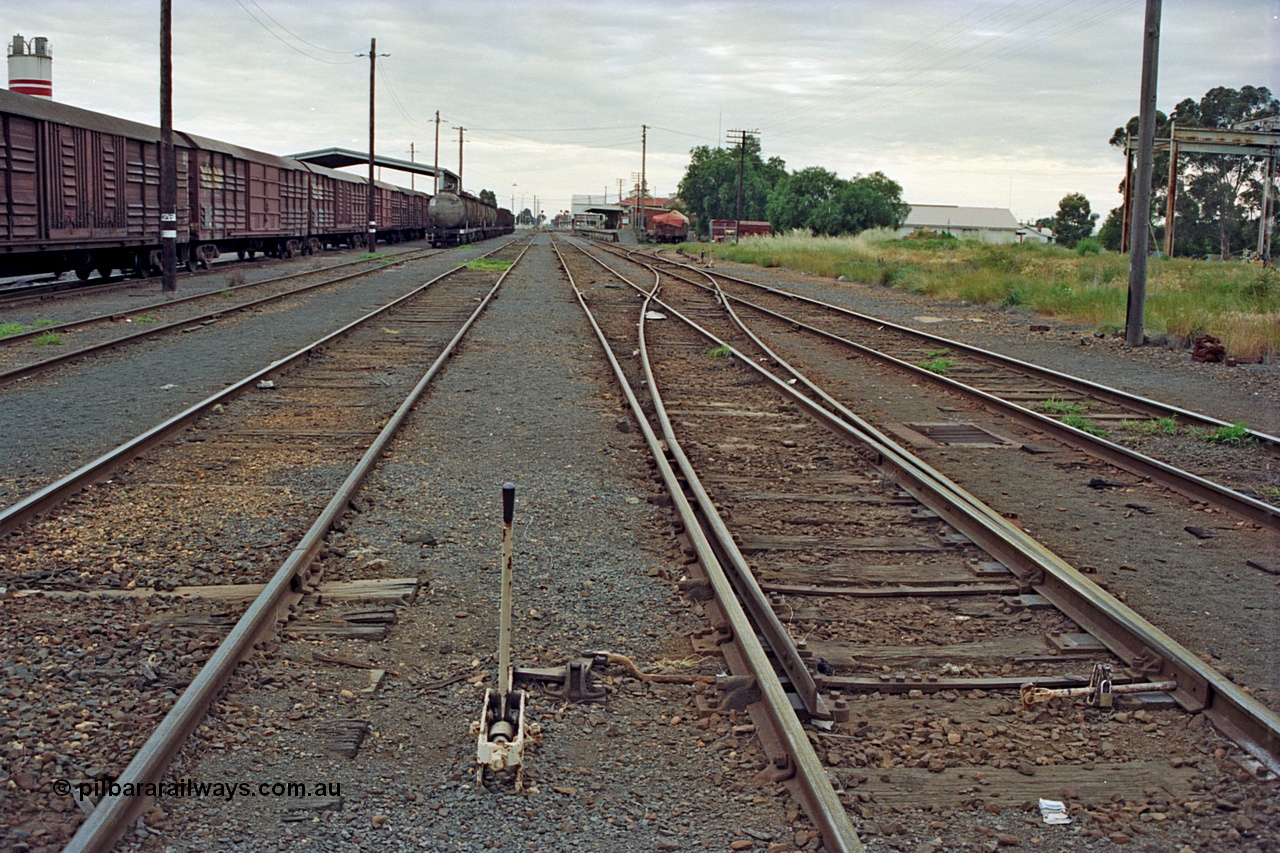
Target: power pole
[[411, 174], [168, 162], [1264, 221], [436, 167], [460, 130], [741, 137], [373, 198], [620, 180], [1140, 219], [644, 153]]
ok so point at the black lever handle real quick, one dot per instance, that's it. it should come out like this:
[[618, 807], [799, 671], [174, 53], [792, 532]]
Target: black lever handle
[[508, 502]]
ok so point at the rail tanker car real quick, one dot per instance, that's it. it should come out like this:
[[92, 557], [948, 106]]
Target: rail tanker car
[[459, 217], [80, 190]]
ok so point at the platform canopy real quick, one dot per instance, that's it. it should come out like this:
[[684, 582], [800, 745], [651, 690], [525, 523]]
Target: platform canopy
[[336, 158]]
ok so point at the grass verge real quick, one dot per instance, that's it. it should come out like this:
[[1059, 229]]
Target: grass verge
[[1237, 303]]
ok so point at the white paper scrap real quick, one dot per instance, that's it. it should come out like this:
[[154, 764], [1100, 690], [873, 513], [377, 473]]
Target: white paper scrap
[[1054, 812]]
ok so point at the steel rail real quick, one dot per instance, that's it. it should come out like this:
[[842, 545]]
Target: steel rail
[[1103, 392], [114, 814], [1143, 646], [1191, 485], [744, 580], [811, 783], [156, 306], [39, 366], [102, 467], [48, 290]]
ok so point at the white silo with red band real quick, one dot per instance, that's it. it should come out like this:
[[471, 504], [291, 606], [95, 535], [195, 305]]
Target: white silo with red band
[[31, 67]]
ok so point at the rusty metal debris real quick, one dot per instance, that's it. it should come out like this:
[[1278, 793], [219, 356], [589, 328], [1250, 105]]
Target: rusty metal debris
[[1100, 691]]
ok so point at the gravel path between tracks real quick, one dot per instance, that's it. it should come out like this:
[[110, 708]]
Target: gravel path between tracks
[[57, 421], [526, 400]]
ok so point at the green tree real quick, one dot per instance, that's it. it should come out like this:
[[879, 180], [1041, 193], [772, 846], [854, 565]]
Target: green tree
[[1074, 220], [709, 187], [488, 197], [796, 198], [826, 204], [1217, 194], [1110, 232]]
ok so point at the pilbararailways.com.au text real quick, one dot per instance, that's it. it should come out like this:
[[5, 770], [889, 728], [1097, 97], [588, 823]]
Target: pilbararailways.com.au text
[[190, 788]]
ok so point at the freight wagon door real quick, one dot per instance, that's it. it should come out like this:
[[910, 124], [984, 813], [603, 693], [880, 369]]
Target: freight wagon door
[[264, 199], [85, 171], [19, 213]]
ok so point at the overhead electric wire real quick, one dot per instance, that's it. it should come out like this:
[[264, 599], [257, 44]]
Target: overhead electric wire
[[275, 21], [293, 47]]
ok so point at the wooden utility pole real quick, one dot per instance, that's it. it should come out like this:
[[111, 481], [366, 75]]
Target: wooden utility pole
[[461, 130], [168, 161], [1171, 195], [373, 219], [437, 162], [1140, 219], [411, 174], [644, 155], [1264, 221], [741, 137]]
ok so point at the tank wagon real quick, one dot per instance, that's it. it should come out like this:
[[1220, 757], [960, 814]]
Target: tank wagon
[[459, 217], [80, 190]]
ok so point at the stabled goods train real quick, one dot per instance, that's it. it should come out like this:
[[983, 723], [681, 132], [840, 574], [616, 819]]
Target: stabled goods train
[[80, 190], [459, 217], [671, 227]]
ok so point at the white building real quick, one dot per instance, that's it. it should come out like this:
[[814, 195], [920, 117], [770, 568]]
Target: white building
[[988, 224]]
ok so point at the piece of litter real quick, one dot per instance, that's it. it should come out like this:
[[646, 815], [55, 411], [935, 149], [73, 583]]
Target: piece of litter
[[654, 315], [167, 387], [1054, 811], [266, 383]]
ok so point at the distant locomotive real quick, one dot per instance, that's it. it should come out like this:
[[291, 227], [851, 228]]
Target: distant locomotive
[[460, 217], [80, 190]]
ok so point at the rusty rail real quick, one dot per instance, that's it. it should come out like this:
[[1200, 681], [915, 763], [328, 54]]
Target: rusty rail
[[33, 368], [811, 784], [1131, 637], [114, 814]]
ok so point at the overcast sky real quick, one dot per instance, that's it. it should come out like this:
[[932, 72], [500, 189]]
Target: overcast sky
[[993, 103]]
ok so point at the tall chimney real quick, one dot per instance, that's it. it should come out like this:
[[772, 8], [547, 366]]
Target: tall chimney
[[31, 67]]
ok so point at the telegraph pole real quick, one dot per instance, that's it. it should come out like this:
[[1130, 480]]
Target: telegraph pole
[[741, 137], [437, 163], [411, 174], [373, 220], [168, 162], [461, 130], [644, 153], [1140, 219]]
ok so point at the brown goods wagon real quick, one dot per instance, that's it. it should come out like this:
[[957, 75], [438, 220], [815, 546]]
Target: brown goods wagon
[[78, 189]]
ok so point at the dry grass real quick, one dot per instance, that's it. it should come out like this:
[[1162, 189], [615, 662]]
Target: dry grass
[[1235, 302]]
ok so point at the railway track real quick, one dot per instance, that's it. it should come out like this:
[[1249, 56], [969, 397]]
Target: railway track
[[904, 616], [46, 289], [106, 645], [26, 353], [1109, 424]]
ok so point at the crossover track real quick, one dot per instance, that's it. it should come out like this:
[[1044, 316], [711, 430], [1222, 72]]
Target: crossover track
[[1001, 383], [305, 423], [158, 315], [1004, 563]]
